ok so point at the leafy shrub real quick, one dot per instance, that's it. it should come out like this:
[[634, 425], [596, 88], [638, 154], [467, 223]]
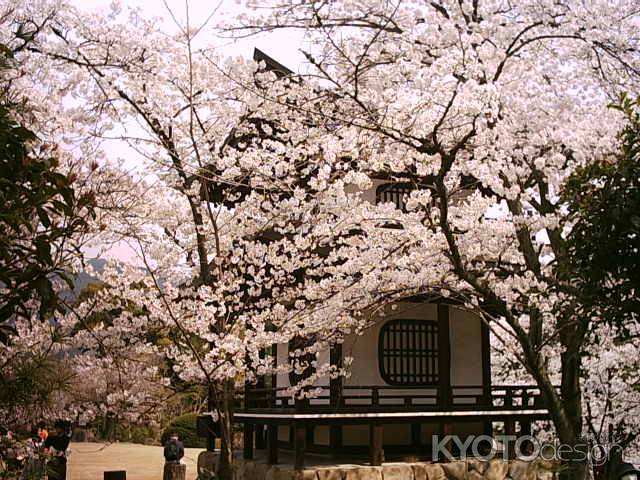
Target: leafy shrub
[[143, 434], [185, 427]]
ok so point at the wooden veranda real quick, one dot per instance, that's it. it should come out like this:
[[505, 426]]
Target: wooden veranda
[[375, 406]]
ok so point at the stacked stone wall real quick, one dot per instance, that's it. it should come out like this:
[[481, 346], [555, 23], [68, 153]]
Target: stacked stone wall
[[470, 469]]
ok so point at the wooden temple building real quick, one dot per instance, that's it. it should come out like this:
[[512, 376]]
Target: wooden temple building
[[421, 370]]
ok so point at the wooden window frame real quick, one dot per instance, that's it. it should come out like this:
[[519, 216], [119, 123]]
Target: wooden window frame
[[422, 354], [385, 193]]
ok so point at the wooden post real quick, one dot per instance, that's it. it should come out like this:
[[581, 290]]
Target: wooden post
[[272, 444], [335, 396], [509, 427], [487, 401], [526, 447], [446, 428], [115, 475], [444, 357], [486, 360], [416, 434], [335, 437], [488, 428], [273, 395], [375, 397], [444, 369], [262, 401], [299, 445], [335, 384], [509, 445], [376, 434], [250, 400], [310, 436], [509, 424], [174, 471], [261, 443], [247, 434]]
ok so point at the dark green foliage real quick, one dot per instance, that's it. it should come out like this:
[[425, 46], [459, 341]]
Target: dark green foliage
[[185, 427], [135, 433], [40, 215], [604, 244], [40, 211], [33, 382]]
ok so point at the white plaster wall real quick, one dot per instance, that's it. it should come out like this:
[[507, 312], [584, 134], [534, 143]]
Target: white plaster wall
[[364, 348], [466, 370], [283, 378], [368, 195], [283, 358], [466, 348], [322, 359]]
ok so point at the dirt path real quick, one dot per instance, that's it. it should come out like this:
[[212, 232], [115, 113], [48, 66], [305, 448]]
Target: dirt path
[[89, 461]]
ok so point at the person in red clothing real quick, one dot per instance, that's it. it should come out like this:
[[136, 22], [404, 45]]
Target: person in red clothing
[[43, 433]]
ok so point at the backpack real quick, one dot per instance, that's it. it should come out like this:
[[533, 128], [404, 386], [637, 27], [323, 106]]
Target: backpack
[[171, 451]]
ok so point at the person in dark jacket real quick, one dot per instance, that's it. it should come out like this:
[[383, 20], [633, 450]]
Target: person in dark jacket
[[57, 445], [34, 466], [173, 450]]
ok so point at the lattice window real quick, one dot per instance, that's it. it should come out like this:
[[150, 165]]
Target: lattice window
[[408, 352], [395, 193]]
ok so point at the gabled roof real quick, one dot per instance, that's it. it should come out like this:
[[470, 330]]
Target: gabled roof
[[272, 65]]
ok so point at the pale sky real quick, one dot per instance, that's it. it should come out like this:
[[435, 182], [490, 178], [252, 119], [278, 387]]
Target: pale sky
[[283, 46]]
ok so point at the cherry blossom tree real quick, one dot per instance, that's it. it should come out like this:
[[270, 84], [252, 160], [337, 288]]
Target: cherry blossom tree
[[53, 364], [247, 215], [241, 232], [612, 396], [486, 107], [600, 199], [45, 212]]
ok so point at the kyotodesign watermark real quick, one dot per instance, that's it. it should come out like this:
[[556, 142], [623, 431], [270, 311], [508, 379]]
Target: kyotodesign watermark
[[524, 447]]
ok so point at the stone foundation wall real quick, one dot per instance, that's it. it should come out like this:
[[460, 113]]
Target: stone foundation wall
[[458, 470]]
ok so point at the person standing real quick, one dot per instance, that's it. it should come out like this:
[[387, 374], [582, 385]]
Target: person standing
[[43, 433], [173, 450], [34, 465], [57, 445]]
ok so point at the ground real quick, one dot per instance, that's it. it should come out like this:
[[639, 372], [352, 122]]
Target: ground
[[89, 461]]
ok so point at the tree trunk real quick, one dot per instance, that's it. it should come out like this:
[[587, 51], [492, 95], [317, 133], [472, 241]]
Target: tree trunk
[[571, 338], [225, 467], [211, 407], [565, 408], [566, 413]]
